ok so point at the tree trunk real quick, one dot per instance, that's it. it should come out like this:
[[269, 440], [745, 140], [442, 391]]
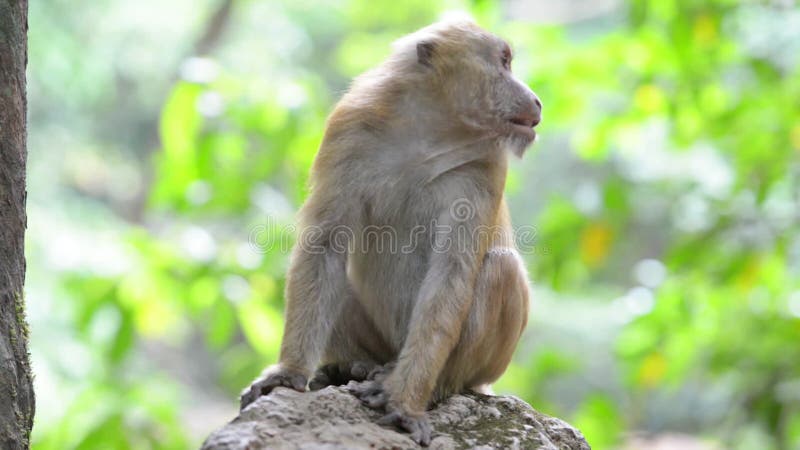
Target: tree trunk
[[16, 389]]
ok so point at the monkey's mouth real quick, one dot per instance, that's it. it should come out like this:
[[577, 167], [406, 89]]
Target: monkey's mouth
[[524, 125]]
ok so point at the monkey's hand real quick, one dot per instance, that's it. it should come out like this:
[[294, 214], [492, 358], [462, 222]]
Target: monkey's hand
[[375, 395], [272, 377]]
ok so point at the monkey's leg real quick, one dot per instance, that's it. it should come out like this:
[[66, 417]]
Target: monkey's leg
[[442, 305], [354, 350], [495, 323]]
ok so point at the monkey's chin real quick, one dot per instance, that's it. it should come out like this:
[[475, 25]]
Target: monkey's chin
[[518, 143]]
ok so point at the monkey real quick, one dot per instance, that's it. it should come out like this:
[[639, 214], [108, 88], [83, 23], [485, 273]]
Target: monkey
[[418, 147]]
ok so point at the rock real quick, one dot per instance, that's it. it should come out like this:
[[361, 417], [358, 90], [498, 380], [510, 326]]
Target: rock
[[333, 419]]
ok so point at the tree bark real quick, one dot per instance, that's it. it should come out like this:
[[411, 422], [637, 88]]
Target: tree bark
[[16, 388]]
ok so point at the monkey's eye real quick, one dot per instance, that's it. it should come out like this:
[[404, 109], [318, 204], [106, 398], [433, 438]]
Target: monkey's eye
[[505, 58]]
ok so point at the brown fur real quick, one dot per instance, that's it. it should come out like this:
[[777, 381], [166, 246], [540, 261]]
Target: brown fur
[[414, 138]]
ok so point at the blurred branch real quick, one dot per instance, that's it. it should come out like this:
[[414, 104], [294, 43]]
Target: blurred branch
[[210, 37], [214, 29]]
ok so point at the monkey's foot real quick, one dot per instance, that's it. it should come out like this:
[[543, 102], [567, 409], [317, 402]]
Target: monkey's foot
[[380, 372], [271, 378], [416, 425], [337, 374], [371, 393]]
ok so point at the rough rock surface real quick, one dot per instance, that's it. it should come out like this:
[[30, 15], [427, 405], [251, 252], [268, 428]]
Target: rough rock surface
[[333, 419]]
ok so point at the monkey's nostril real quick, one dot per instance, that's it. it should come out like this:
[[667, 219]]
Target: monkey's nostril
[[538, 103]]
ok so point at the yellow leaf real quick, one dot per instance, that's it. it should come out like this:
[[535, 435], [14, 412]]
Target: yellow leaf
[[649, 98], [159, 319], [705, 30], [794, 137], [652, 369], [749, 275], [596, 242]]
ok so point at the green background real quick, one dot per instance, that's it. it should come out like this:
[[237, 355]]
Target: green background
[[664, 192]]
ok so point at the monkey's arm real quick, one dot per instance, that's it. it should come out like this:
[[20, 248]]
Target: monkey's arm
[[440, 310], [316, 284], [316, 281], [442, 305]]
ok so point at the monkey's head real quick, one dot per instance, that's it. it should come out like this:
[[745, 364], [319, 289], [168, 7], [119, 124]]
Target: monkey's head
[[467, 71]]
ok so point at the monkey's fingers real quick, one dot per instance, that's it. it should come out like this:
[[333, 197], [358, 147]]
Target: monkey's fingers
[[319, 380], [264, 386], [417, 426]]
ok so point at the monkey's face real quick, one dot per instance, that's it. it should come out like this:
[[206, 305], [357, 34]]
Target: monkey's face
[[474, 67], [515, 109]]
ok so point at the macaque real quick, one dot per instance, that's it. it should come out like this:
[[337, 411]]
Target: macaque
[[415, 154]]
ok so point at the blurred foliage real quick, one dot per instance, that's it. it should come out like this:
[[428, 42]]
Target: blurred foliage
[[665, 194]]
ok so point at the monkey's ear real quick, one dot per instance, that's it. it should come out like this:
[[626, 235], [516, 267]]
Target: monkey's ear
[[425, 53]]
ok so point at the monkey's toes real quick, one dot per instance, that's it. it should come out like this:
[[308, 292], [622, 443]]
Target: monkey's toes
[[417, 426], [337, 374], [380, 372], [319, 380], [371, 394], [265, 385], [358, 370]]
